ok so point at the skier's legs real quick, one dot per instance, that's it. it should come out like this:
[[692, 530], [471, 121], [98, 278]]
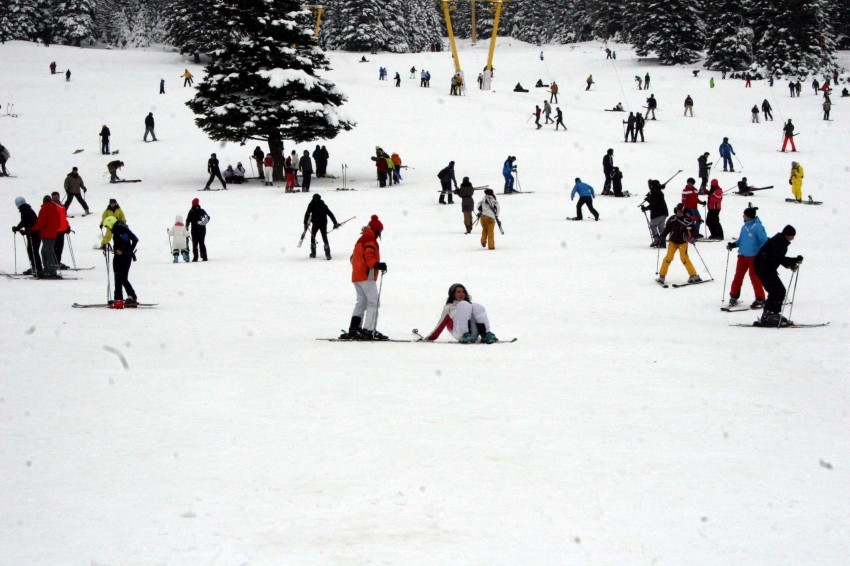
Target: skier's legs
[[269, 172], [668, 258], [656, 225], [367, 305], [48, 257], [758, 288], [686, 261], [775, 290], [741, 268]]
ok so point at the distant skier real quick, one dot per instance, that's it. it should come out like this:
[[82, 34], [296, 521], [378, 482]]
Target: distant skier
[[187, 78], [547, 111], [124, 244], [651, 105], [640, 123], [161, 86], [617, 182], [113, 167], [104, 140], [64, 228], [767, 110], [508, 169], [607, 170], [767, 261], [585, 197], [788, 135], [553, 93], [466, 191], [68, 75], [268, 165], [630, 127], [74, 189], [215, 172], [689, 106], [678, 227], [32, 238], [726, 152], [559, 118], [447, 178], [397, 79], [796, 180], [536, 115], [704, 168], [827, 106], [712, 219], [317, 214], [488, 211], [646, 82], [656, 205], [149, 125], [589, 81], [755, 114], [750, 241], [305, 165], [197, 221]]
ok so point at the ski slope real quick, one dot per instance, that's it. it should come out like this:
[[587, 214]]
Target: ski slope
[[629, 424]]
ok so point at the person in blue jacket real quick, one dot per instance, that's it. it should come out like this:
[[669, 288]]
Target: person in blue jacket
[[726, 152], [585, 196], [507, 172], [753, 236]]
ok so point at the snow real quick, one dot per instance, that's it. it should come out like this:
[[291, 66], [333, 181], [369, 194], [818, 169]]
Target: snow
[[629, 424], [279, 78]]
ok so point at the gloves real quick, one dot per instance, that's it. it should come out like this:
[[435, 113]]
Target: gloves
[[85, 190], [691, 240], [731, 246], [14, 228], [799, 259], [336, 226], [381, 266], [789, 182], [644, 208]]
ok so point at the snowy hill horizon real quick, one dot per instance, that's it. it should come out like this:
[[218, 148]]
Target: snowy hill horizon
[[629, 424]]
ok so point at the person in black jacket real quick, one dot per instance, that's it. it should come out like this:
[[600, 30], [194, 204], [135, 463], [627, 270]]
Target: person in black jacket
[[215, 171], [467, 204], [704, 169], [658, 212], [607, 170], [305, 165], [630, 127], [447, 177], [767, 110], [149, 127], [32, 239], [124, 246], [259, 157], [318, 213], [322, 164], [104, 140], [196, 221], [617, 182], [770, 257]]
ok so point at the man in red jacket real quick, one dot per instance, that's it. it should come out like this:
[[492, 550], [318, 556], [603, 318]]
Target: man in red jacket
[[64, 228], [47, 225], [690, 198], [365, 265]]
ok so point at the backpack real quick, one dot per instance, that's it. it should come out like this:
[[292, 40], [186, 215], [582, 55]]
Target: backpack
[[203, 220]]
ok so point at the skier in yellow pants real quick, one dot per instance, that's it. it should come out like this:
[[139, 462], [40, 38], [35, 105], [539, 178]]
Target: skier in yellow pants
[[796, 180], [679, 228]]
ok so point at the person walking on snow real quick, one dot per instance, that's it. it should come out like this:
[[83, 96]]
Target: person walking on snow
[[365, 265], [726, 152], [74, 189], [691, 201], [215, 172], [656, 205], [124, 244], [755, 114], [104, 140], [689, 106], [467, 321], [32, 238], [547, 111], [704, 168], [712, 219], [197, 221], [259, 157], [767, 262], [678, 227], [149, 127], [796, 180], [447, 178], [559, 118], [827, 106], [536, 114], [767, 110], [788, 135], [179, 236], [508, 170], [553, 93], [467, 205], [585, 197], [305, 165], [651, 105], [589, 82], [187, 78], [750, 241], [48, 225], [317, 213], [161, 86], [488, 211], [607, 170], [397, 79]]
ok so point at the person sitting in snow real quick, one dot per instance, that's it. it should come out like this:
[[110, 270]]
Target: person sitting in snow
[[229, 174], [467, 321]]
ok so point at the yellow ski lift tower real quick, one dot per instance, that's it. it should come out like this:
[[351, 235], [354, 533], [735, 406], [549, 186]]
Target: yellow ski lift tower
[[497, 9], [320, 11]]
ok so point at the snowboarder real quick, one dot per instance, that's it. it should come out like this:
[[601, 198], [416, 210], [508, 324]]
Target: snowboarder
[[559, 118], [32, 238], [508, 170], [48, 225], [215, 172], [317, 213], [755, 114], [704, 168], [767, 110], [712, 219], [197, 221], [467, 321], [796, 180], [113, 209], [658, 212], [726, 152], [104, 140], [607, 170], [113, 167], [767, 261], [124, 246], [74, 189], [447, 178], [585, 197], [678, 227], [365, 265], [651, 105], [689, 106], [630, 127], [149, 127], [750, 241], [488, 213], [690, 198], [467, 205], [179, 240], [788, 135], [305, 165], [259, 156]]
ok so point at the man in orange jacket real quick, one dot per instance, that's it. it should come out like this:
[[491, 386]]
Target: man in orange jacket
[[64, 228], [365, 265], [47, 226]]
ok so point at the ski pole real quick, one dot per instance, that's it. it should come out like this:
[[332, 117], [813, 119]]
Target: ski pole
[[518, 184], [378, 310], [251, 163], [648, 226], [657, 258], [710, 277], [725, 274], [671, 178], [341, 223], [106, 249], [33, 256], [15, 248], [739, 162], [795, 275], [71, 248]]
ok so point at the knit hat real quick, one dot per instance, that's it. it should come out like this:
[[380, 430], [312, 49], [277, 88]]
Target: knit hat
[[714, 183], [489, 192], [750, 212], [317, 197], [789, 231], [196, 202], [46, 198], [375, 224], [19, 201], [113, 201]]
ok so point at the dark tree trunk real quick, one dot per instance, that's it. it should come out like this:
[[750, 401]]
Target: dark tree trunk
[[197, 58], [276, 149]]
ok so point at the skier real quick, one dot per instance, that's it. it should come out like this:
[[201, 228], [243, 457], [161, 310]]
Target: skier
[[467, 205], [767, 110], [365, 265], [607, 170], [767, 261], [48, 224], [104, 140], [547, 111], [112, 210], [68, 76], [124, 247], [651, 105], [712, 219], [4, 157], [640, 122], [798, 88], [447, 178], [553, 93], [690, 200], [815, 85], [617, 182], [215, 172], [726, 152], [585, 197], [268, 163], [748, 78], [559, 118], [791, 88], [678, 226], [113, 167], [689, 106], [305, 165], [317, 213], [32, 238], [630, 127], [704, 168], [53, 68], [64, 228], [536, 115], [827, 106], [788, 135], [755, 114], [646, 82], [396, 159], [508, 169], [397, 79], [467, 321], [197, 221], [179, 240], [161, 86], [74, 189], [259, 157], [149, 127], [796, 180], [488, 212], [658, 212], [322, 164], [382, 168], [750, 241], [187, 78], [589, 81]]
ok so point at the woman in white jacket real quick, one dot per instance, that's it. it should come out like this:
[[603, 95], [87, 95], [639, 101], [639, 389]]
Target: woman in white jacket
[[467, 321], [488, 209], [179, 239]]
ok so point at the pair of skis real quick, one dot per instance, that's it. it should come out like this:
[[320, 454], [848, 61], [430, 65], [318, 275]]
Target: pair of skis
[[417, 338]]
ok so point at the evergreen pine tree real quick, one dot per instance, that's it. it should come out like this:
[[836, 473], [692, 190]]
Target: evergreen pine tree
[[533, 20], [195, 27], [358, 26], [838, 12], [75, 22], [729, 41], [263, 83], [794, 37], [20, 20], [673, 29], [606, 17]]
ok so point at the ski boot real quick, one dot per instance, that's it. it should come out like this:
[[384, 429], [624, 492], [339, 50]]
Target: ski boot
[[660, 279], [186, 256], [468, 338], [757, 304], [327, 252], [131, 303], [489, 338], [353, 329], [313, 249], [733, 301], [176, 259], [694, 279], [117, 304]]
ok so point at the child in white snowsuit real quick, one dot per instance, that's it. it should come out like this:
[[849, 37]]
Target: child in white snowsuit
[[179, 239]]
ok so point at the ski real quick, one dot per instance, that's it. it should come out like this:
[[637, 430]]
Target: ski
[[677, 285], [707, 240], [212, 190], [420, 338], [106, 305], [22, 276], [78, 269], [740, 309], [126, 181], [518, 193], [664, 285], [810, 201], [364, 341], [792, 325]]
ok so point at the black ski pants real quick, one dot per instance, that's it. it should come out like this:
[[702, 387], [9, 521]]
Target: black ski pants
[[712, 220], [121, 268], [33, 242], [589, 202], [59, 247], [199, 234], [774, 287], [319, 228], [213, 175]]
